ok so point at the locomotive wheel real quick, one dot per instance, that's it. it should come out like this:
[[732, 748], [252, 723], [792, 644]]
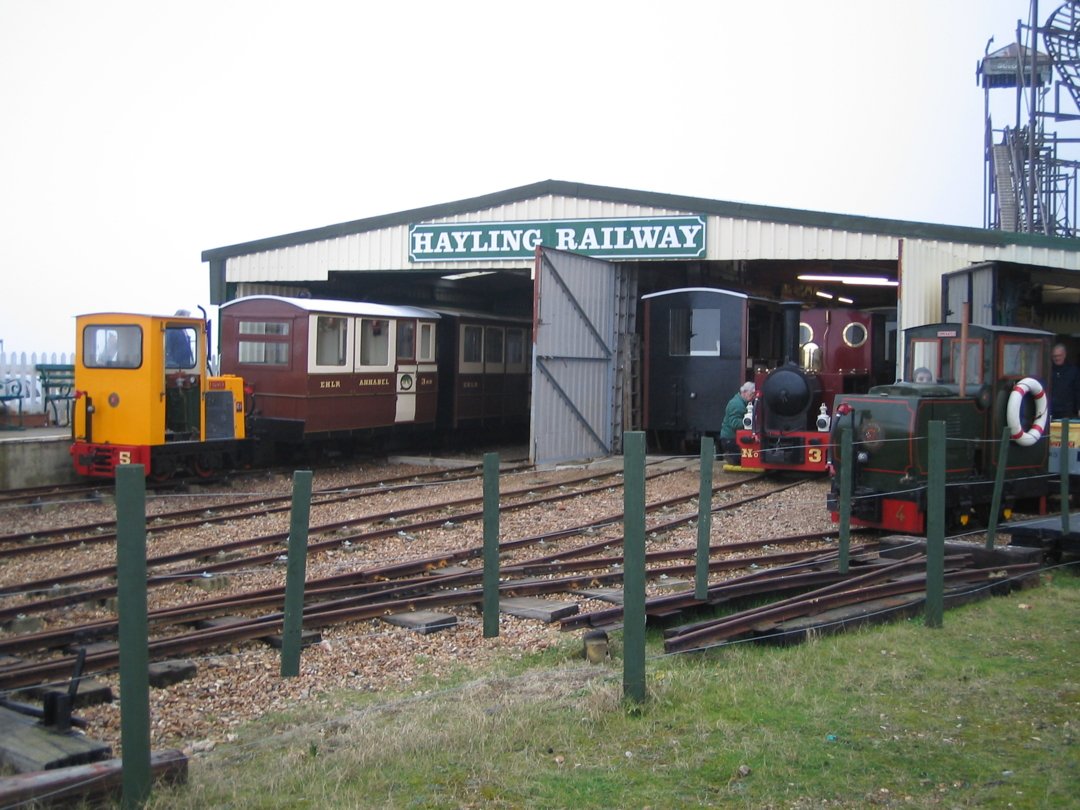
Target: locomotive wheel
[[204, 466]]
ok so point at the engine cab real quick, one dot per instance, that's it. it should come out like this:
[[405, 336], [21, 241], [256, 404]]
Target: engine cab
[[144, 395]]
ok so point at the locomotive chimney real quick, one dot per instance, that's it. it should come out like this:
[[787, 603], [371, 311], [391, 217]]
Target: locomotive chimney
[[792, 310]]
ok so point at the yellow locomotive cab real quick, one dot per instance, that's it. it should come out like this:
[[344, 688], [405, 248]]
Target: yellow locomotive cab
[[144, 396]]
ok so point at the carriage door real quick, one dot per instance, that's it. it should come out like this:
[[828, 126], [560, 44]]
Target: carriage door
[[583, 310]]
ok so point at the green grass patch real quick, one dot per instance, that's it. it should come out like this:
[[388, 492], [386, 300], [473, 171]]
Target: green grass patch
[[982, 712]]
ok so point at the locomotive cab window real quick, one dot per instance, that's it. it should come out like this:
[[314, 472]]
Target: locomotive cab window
[[694, 332], [974, 375], [1022, 359], [328, 343], [924, 354], [376, 344], [112, 346], [180, 343]]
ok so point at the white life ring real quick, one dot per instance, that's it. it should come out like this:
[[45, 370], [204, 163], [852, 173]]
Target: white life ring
[[1012, 412]]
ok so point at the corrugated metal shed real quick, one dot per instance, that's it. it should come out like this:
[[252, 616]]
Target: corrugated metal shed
[[923, 252], [734, 231]]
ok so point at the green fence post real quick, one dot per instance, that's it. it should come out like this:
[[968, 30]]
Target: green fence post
[[133, 633], [846, 466], [491, 545], [634, 566], [935, 525], [704, 519], [295, 572], [999, 485], [1063, 466]]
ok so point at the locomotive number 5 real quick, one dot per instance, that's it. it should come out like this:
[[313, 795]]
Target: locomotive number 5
[[123, 457]]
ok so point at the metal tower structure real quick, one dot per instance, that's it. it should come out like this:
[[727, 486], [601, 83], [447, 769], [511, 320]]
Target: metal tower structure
[[1029, 185]]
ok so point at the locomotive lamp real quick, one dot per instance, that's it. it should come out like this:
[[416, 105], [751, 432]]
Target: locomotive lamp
[[823, 420], [748, 417]]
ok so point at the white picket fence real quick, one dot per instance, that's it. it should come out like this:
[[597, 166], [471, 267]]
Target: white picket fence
[[20, 365]]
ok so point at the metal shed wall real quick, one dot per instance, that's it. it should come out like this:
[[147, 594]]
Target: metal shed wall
[[728, 238]]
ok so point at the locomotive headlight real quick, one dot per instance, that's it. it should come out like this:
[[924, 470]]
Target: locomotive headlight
[[114, 399], [862, 457]]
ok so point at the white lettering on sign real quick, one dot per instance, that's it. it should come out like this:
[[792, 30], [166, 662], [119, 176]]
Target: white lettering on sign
[[638, 238], [664, 236]]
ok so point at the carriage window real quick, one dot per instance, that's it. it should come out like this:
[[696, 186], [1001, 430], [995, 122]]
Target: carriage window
[[374, 342], [694, 332], [331, 340], [264, 328], [112, 346], [1021, 359], [406, 339], [257, 352], [515, 349], [493, 345], [426, 352], [472, 347]]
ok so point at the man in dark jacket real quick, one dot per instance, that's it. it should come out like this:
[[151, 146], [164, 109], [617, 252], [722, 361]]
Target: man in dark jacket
[[733, 418], [1064, 386]]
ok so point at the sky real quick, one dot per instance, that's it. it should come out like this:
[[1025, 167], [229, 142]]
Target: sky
[[135, 135]]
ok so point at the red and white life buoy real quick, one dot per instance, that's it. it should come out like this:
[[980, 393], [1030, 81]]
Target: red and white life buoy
[[1022, 437]]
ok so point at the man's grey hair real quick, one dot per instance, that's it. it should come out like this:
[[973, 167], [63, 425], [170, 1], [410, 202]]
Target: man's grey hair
[[747, 388]]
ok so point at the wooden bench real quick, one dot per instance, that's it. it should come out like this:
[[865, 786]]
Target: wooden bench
[[57, 389], [12, 391]]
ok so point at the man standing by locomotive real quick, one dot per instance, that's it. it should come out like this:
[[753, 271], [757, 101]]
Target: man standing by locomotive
[[1064, 385], [733, 420]]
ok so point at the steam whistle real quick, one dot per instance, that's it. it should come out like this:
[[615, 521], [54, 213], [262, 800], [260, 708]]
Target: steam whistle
[[823, 419]]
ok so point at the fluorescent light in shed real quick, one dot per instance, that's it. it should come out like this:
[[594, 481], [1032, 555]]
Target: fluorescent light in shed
[[870, 281]]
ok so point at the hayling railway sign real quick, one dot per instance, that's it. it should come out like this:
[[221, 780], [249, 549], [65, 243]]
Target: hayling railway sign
[[632, 238]]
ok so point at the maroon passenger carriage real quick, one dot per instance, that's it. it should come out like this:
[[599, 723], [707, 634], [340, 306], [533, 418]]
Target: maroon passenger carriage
[[332, 370]]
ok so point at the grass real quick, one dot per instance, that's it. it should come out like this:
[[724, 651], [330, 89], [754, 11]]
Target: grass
[[983, 712]]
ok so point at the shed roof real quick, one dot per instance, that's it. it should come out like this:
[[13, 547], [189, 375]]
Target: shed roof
[[792, 216]]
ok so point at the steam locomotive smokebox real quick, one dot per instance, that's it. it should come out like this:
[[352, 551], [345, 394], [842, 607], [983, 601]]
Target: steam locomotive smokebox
[[788, 395]]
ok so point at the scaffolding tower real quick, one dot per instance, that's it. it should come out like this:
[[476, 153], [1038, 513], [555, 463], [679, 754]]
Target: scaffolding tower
[[1029, 185]]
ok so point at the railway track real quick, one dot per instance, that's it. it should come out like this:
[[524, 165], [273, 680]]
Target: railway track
[[373, 591], [419, 548]]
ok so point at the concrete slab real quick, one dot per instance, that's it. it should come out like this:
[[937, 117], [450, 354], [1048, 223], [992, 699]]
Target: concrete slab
[[612, 595], [307, 638], [26, 746], [166, 673], [422, 621], [531, 607]]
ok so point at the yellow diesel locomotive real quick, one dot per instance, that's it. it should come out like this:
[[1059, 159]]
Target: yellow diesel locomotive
[[145, 395]]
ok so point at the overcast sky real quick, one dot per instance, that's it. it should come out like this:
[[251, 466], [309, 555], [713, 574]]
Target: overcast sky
[[137, 134]]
